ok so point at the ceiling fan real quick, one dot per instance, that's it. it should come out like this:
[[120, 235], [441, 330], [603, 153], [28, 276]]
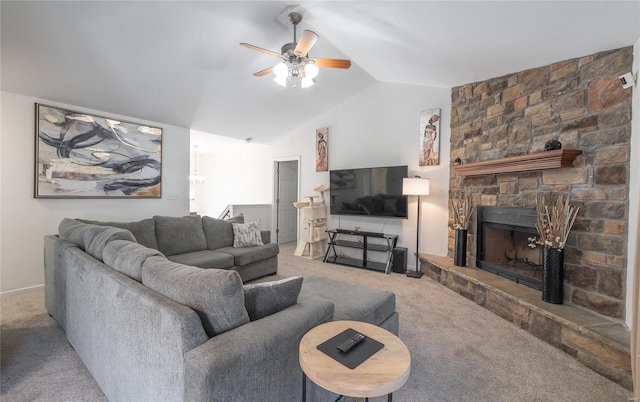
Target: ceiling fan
[[297, 69]]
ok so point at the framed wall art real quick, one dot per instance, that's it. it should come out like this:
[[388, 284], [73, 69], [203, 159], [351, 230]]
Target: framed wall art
[[429, 137], [80, 155], [322, 146]]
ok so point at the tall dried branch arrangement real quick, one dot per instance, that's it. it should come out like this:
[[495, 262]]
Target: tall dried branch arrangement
[[555, 218], [461, 210]]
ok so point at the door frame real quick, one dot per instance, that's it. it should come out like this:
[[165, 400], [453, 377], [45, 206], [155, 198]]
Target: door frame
[[274, 217]]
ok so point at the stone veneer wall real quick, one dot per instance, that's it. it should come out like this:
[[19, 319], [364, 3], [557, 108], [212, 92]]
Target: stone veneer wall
[[581, 103]]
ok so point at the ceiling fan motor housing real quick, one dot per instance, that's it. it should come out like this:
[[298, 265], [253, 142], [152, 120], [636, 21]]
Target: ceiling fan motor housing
[[287, 50]]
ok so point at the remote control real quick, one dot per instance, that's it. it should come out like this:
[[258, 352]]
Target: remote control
[[350, 343]]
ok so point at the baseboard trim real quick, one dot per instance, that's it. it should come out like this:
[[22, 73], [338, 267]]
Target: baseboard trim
[[21, 290]]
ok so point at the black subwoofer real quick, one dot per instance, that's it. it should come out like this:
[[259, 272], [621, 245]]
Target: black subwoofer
[[399, 260]]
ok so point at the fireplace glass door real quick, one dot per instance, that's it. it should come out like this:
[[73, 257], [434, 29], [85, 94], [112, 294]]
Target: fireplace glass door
[[507, 251], [504, 247]]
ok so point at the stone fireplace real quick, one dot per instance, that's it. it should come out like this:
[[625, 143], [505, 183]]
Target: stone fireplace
[[503, 245], [507, 120], [580, 103]]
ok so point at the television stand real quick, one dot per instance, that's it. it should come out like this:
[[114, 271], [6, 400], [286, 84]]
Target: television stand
[[345, 238]]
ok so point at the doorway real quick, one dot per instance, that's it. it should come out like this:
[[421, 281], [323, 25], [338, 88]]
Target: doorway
[[286, 193]]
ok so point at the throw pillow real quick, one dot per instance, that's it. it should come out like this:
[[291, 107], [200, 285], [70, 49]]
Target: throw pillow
[[215, 294], [247, 234], [264, 299]]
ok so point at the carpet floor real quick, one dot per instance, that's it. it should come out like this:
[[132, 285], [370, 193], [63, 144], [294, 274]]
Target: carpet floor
[[459, 350]]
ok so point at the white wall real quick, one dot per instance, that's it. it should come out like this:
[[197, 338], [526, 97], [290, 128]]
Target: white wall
[[26, 220], [237, 173], [380, 127], [634, 187]]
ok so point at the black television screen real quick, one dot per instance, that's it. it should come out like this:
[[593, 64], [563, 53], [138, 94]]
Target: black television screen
[[368, 192]]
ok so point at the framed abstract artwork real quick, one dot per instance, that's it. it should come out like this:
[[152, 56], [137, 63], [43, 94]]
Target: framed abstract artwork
[[322, 146], [80, 155], [429, 137]]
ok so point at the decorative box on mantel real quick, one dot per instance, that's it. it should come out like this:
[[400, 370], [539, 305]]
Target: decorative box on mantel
[[541, 160]]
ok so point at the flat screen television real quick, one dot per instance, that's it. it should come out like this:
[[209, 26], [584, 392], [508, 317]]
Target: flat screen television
[[368, 192]]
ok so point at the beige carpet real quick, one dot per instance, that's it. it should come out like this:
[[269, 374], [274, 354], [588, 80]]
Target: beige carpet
[[459, 351]]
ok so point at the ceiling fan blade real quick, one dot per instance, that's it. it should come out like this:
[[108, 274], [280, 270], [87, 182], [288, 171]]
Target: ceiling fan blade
[[332, 63], [305, 43], [259, 49], [263, 72]]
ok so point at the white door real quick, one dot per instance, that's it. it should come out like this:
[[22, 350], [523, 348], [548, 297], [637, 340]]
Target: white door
[[287, 194]]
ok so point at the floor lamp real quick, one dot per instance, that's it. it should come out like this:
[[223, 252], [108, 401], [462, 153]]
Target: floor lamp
[[416, 186]]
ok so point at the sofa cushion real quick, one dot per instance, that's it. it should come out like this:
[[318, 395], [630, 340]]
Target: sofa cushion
[[144, 231], [179, 235], [72, 230], [219, 233], [236, 218], [128, 257], [266, 298], [216, 295], [204, 259], [96, 239], [247, 234], [247, 255], [352, 302]]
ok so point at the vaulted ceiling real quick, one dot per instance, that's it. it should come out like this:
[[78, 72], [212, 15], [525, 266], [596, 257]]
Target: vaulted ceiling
[[180, 62]]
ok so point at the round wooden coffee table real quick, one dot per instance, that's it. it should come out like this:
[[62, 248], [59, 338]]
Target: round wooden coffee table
[[381, 374]]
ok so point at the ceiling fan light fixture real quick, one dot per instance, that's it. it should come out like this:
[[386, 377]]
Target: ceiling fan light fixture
[[307, 82], [281, 70], [297, 69], [280, 80], [311, 71]]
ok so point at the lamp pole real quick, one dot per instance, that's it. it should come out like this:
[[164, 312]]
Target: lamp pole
[[416, 186], [417, 273]]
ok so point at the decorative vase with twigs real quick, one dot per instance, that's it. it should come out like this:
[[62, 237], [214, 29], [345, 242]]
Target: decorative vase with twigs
[[461, 210], [555, 218]]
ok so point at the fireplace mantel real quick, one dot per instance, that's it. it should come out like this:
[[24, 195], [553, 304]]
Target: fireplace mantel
[[541, 160]]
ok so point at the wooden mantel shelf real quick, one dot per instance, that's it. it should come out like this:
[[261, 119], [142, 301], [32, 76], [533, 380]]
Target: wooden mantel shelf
[[541, 160]]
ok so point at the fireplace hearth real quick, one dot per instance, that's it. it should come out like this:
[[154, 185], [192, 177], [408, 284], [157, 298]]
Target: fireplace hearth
[[503, 245]]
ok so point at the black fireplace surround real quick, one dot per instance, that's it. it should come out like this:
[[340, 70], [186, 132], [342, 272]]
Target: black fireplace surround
[[503, 245]]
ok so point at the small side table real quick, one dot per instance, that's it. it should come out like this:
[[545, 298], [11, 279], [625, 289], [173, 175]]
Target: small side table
[[381, 374]]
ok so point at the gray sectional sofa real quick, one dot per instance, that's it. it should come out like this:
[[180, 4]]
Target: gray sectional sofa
[[203, 242], [152, 329]]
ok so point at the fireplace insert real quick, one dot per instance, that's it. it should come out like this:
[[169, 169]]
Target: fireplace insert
[[503, 245]]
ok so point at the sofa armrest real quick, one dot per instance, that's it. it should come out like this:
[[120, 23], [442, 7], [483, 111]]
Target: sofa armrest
[[256, 361], [55, 277], [266, 236]]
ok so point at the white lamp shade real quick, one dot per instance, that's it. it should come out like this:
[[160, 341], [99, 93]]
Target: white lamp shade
[[281, 70], [307, 82], [281, 80], [311, 71], [415, 186]]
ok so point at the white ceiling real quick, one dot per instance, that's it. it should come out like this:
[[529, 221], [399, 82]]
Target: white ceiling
[[179, 63]]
